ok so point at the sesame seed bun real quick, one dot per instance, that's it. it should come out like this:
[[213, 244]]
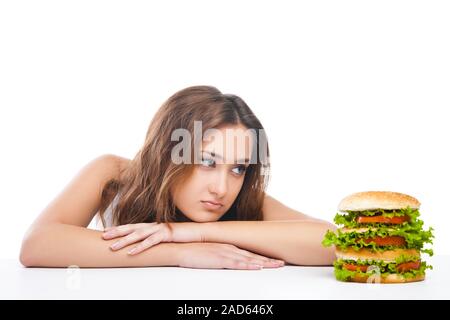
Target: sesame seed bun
[[371, 200], [392, 278]]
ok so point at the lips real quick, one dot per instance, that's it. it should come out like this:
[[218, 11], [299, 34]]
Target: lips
[[213, 202]]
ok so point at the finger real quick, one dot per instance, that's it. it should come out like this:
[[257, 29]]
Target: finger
[[132, 238], [247, 253], [119, 231], [247, 262], [123, 230], [241, 265], [273, 264], [251, 254], [268, 262], [147, 243]]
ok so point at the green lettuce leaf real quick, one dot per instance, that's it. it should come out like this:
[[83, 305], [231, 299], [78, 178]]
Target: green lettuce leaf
[[415, 239], [384, 269], [401, 259], [411, 230], [348, 218]]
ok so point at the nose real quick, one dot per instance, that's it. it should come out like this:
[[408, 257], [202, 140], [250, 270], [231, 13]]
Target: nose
[[219, 185]]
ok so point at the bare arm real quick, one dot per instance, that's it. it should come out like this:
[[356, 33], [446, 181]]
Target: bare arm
[[62, 245], [296, 242], [59, 237]]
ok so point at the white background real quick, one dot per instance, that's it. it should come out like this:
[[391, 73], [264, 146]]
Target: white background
[[353, 95], [289, 282]]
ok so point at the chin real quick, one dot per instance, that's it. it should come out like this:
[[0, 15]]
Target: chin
[[206, 216]]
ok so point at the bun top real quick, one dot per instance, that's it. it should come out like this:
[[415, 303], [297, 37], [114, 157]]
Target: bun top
[[371, 200]]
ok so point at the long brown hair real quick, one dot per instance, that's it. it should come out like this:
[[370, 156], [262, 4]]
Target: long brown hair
[[144, 185]]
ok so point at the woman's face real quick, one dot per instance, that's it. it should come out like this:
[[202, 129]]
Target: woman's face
[[219, 176]]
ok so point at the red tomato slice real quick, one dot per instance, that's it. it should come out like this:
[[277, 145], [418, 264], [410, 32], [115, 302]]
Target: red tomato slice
[[354, 267], [387, 241], [381, 219], [403, 267]]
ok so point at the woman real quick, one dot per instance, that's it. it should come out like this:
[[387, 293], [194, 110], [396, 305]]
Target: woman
[[191, 197]]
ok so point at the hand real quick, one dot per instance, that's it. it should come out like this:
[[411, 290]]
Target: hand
[[209, 255], [150, 234]]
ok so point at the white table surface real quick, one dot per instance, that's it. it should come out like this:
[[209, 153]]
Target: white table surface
[[288, 282]]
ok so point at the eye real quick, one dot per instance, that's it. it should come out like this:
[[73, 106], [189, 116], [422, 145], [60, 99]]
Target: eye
[[208, 162], [241, 169]]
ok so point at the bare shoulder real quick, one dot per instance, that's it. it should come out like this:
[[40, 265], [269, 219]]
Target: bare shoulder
[[110, 165], [275, 210], [121, 160], [79, 201]]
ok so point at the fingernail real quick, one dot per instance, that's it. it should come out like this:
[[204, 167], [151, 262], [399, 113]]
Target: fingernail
[[132, 251], [256, 266], [107, 234], [274, 261], [115, 245]]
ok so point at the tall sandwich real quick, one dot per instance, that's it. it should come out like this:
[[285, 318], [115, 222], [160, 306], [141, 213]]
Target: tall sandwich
[[381, 238]]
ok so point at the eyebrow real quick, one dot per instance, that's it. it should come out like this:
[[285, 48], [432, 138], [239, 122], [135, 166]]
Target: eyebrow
[[213, 154]]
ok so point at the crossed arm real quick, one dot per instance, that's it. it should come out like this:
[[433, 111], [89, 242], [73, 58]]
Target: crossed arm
[[296, 239], [296, 242]]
